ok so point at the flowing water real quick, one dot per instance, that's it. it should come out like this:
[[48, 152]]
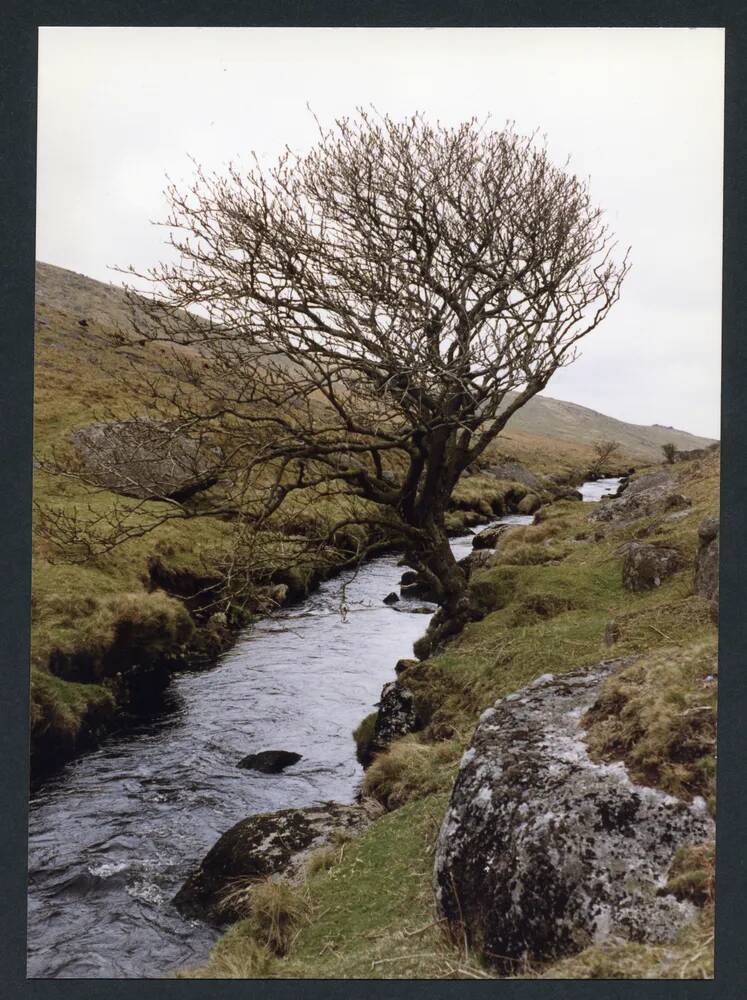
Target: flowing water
[[114, 834], [593, 491]]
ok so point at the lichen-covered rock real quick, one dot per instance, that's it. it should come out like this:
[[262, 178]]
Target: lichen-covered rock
[[396, 716], [488, 538], [706, 563], [268, 844], [145, 459], [645, 566], [543, 851], [651, 494]]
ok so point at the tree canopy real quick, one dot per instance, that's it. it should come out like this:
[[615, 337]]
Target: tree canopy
[[361, 321]]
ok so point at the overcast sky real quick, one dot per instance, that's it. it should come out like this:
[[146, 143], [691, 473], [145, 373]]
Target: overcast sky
[[639, 111]]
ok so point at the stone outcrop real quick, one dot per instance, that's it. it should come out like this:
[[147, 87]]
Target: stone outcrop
[[396, 716], [543, 851], [706, 563], [144, 459], [651, 494], [694, 453], [268, 844], [645, 566]]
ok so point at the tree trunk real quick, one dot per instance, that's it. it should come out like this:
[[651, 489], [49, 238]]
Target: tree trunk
[[437, 563]]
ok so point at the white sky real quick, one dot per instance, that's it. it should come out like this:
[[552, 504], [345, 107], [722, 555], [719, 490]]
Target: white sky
[[639, 111]]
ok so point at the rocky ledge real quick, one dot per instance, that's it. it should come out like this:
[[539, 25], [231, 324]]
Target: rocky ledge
[[543, 850]]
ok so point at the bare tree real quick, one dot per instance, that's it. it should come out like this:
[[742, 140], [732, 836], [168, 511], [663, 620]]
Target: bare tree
[[603, 451], [359, 323], [670, 451]]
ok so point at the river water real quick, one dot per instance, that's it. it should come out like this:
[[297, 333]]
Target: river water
[[593, 491], [114, 834]]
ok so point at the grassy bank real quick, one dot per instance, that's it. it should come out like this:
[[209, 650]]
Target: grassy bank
[[549, 600]]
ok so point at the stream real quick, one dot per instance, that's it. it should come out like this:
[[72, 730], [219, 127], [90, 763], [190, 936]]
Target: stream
[[114, 833]]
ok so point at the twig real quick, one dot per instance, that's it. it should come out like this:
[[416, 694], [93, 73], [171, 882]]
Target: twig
[[663, 634], [402, 958], [420, 930]]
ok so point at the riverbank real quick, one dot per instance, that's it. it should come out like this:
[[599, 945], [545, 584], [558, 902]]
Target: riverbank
[[556, 600], [109, 634]]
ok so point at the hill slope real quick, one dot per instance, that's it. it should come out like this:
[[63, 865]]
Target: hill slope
[[543, 417], [548, 417]]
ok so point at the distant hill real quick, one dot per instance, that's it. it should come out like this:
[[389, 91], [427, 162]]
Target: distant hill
[[68, 292], [546, 417], [104, 305]]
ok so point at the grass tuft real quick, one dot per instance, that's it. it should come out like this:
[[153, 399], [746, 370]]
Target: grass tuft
[[274, 911], [411, 770]]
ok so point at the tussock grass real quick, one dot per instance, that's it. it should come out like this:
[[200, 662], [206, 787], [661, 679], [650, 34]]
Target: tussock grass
[[274, 910], [693, 874], [238, 955], [410, 769]]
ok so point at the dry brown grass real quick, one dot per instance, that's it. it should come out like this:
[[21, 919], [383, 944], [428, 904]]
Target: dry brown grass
[[659, 716], [410, 770], [274, 909]]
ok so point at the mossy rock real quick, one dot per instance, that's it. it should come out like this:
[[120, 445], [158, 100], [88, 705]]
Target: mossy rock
[[364, 736]]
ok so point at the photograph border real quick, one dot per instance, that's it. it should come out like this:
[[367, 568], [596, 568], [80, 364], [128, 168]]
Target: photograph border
[[18, 82]]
